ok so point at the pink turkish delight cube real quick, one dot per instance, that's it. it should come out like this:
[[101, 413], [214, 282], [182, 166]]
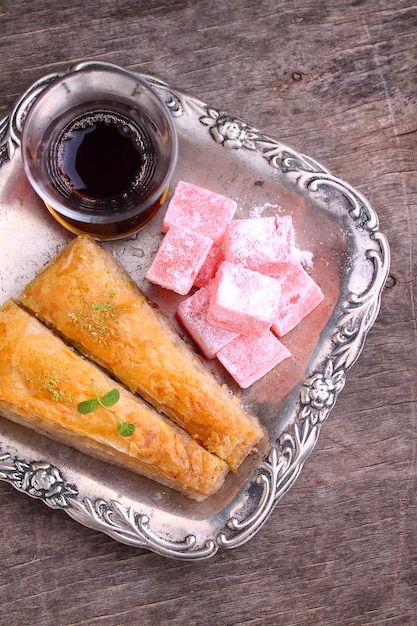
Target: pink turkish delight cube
[[300, 295], [192, 313], [248, 358], [264, 244], [210, 266], [199, 209], [243, 301], [178, 260]]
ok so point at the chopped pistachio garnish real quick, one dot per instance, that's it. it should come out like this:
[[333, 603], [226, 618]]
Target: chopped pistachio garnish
[[49, 382], [96, 318]]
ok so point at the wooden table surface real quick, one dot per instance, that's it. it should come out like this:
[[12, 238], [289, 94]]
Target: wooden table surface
[[337, 80]]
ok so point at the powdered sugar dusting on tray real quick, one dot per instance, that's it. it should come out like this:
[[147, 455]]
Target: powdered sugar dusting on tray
[[305, 257], [260, 209]]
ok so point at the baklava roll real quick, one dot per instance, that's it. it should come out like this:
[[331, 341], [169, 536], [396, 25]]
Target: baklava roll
[[87, 296], [42, 383]]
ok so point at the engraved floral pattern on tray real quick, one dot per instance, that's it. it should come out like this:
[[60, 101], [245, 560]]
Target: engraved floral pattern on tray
[[317, 395]]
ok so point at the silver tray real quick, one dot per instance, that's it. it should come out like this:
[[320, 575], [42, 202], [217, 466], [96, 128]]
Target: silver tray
[[348, 257]]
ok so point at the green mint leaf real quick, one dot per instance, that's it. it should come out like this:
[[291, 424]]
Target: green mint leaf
[[110, 398], [126, 429], [87, 406]]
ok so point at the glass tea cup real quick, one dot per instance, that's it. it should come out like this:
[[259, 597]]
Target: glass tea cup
[[99, 147]]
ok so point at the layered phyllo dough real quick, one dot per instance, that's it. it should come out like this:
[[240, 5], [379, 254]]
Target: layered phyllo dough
[[47, 386], [87, 296]]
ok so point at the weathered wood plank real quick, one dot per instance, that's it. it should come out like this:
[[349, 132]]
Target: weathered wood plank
[[337, 81]]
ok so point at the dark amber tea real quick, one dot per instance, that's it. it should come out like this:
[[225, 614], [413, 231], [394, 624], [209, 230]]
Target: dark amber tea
[[102, 163], [102, 156]]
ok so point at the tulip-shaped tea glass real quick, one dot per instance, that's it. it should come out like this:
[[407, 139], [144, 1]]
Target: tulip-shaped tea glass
[[99, 147]]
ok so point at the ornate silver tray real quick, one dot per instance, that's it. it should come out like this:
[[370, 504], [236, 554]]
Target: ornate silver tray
[[348, 257]]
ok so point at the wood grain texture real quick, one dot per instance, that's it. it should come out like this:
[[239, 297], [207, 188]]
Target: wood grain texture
[[337, 80]]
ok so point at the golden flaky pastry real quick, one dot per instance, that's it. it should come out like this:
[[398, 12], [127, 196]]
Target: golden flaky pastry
[[87, 296], [42, 381]]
